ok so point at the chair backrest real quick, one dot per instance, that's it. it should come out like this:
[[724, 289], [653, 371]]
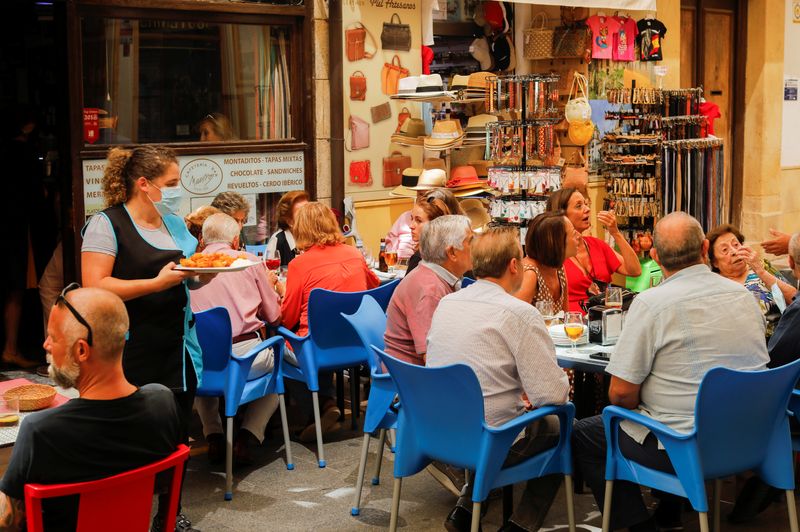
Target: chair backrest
[[213, 327], [441, 416], [122, 502], [741, 418], [369, 322], [256, 249], [466, 281], [331, 335]]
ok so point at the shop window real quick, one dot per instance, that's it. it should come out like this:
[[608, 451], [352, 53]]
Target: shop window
[[167, 81]]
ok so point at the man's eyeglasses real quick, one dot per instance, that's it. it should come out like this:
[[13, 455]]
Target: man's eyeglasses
[[62, 299]]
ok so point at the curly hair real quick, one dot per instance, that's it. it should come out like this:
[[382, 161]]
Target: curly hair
[[285, 206], [439, 202], [315, 225], [126, 166], [230, 203]]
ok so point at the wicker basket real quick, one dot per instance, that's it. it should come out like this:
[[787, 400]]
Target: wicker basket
[[32, 396], [538, 41]]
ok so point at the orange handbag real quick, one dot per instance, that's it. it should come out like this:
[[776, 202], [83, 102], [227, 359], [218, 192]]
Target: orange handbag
[[355, 43], [393, 167], [404, 115], [391, 74]]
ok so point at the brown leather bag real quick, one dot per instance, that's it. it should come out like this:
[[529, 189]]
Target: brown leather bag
[[396, 35], [404, 115], [391, 74], [358, 86], [355, 42], [393, 167], [381, 112]]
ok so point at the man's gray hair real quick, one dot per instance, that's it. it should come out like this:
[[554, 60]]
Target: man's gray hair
[[794, 248], [220, 228], [678, 239], [441, 233]]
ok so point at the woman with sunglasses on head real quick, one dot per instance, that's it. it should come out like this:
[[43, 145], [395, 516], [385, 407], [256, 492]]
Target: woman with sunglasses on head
[[131, 249], [429, 206], [595, 261]]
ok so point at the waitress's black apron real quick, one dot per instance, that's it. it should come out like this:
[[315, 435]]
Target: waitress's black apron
[[154, 351]]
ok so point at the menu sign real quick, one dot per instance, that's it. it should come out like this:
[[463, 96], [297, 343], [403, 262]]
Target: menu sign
[[205, 176]]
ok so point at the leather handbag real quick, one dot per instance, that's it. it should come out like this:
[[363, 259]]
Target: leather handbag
[[360, 173], [391, 74], [393, 167], [576, 175], [381, 112], [359, 134], [571, 42], [538, 40], [404, 115], [358, 86], [355, 42], [396, 35]]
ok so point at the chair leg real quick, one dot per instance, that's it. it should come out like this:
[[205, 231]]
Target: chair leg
[[229, 461], [570, 502], [703, 521], [393, 439], [340, 392], [376, 478], [285, 426], [717, 496], [318, 427], [790, 502], [476, 517], [362, 465], [607, 505], [398, 483], [354, 403]]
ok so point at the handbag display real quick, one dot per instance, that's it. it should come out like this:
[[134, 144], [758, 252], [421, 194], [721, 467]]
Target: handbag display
[[355, 43], [381, 112], [360, 173], [359, 134], [402, 116], [393, 167], [576, 175], [581, 133], [571, 42], [391, 74], [538, 41], [358, 86], [396, 35], [578, 108]]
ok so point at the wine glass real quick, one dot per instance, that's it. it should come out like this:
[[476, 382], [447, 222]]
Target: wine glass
[[574, 324], [547, 310], [272, 259], [614, 297]]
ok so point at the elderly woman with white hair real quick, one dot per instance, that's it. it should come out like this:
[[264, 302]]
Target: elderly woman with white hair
[[445, 251]]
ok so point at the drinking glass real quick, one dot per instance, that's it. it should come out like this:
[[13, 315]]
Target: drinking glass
[[574, 324], [614, 297], [391, 260], [272, 259], [547, 310], [9, 411]]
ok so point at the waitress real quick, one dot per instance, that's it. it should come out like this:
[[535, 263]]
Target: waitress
[[592, 267], [131, 248]]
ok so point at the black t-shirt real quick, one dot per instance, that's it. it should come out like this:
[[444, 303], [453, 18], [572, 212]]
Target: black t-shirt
[[651, 39], [87, 439]]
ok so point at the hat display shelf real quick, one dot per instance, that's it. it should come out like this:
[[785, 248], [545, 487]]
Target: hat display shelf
[[522, 145]]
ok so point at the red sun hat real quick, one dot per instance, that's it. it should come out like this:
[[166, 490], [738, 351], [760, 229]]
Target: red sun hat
[[462, 176]]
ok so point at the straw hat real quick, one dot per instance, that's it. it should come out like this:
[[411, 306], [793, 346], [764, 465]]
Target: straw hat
[[430, 179], [434, 162], [478, 215], [459, 82], [412, 133], [445, 134], [410, 179], [481, 167]]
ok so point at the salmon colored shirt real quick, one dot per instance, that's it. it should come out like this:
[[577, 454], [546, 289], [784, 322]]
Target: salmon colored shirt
[[340, 268], [604, 263]]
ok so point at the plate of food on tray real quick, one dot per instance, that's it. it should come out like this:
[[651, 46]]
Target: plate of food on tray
[[215, 263]]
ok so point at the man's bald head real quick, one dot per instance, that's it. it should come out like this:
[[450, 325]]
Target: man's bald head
[[678, 240], [106, 314]]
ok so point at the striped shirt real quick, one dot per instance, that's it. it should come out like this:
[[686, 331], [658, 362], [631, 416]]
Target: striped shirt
[[505, 342]]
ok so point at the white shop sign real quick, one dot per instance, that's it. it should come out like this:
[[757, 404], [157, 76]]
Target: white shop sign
[[205, 176]]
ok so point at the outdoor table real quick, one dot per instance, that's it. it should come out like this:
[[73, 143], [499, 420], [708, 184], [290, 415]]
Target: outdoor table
[[581, 361]]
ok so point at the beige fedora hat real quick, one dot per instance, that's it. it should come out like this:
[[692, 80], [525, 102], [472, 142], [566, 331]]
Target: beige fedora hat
[[410, 179], [445, 134], [412, 133], [476, 211], [431, 178]]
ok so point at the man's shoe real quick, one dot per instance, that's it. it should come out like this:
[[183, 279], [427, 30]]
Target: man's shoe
[[15, 359], [668, 517], [511, 526], [329, 420], [459, 519], [216, 447], [755, 497], [243, 447], [452, 478], [182, 524]]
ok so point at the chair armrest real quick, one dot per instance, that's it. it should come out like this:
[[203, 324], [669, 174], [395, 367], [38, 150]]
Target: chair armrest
[[565, 412], [295, 341], [612, 413], [275, 342]]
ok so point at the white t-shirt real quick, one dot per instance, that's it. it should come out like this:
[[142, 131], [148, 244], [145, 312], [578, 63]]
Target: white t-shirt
[[428, 7], [99, 236]]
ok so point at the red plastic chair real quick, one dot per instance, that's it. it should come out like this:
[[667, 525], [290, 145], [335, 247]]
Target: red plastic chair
[[125, 499]]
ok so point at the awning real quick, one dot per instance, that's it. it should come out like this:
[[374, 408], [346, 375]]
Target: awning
[[637, 5]]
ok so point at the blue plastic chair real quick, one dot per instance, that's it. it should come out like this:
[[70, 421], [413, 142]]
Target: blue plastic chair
[[331, 343], [226, 375], [794, 407], [256, 249], [466, 281], [369, 322], [741, 424], [442, 418]]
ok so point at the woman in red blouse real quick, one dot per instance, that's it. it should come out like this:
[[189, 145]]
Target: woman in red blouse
[[596, 260], [324, 261]]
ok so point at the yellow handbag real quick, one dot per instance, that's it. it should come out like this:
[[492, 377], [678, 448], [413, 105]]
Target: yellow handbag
[[580, 133], [391, 75]]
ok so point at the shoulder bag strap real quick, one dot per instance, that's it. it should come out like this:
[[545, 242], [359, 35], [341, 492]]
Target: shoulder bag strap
[[369, 55]]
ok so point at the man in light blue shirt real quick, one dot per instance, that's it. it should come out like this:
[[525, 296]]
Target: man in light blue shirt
[[673, 334]]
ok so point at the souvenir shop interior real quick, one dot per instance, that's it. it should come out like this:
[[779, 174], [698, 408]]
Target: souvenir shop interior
[[514, 100]]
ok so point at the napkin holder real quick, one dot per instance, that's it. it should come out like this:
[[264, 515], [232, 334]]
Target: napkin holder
[[605, 324]]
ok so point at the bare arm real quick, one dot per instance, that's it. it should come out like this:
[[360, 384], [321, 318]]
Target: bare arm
[[529, 285], [12, 513], [630, 261], [778, 245], [757, 265], [96, 271], [623, 393]]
